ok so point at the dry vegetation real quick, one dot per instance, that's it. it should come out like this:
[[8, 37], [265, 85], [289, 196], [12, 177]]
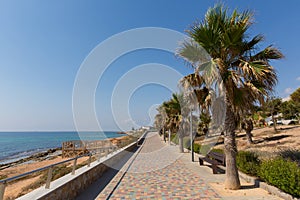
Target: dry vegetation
[[29, 183], [268, 143]]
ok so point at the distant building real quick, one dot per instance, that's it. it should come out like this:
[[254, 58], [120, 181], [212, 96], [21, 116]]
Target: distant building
[[146, 127]]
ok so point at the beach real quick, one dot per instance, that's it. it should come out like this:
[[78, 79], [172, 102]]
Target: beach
[[39, 160]]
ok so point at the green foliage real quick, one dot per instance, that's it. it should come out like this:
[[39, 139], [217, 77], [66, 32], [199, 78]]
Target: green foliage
[[290, 109], [248, 162], [3, 177], [295, 96], [197, 148], [282, 174], [187, 142], [272, 106], [205, 119], [256, 116], [218, 150], [174, 138], [291, 154], [60, 171]]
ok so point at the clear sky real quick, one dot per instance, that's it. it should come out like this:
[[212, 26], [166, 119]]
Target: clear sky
[[43, 44]]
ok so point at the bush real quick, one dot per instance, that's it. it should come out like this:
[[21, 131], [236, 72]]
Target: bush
[[282, 174], [248, 162], [197, 148], [3, 177], [187, 143], [218, 151], [174, 138], [291, 154]]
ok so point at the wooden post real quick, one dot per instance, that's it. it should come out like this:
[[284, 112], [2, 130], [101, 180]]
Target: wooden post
[[99, 154], [169, 137], [2, 190], [74, 166], [90, 160], [106, 151], [49, 178]]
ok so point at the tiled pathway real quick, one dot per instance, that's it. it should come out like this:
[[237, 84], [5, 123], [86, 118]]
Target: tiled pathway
[[159, 171]]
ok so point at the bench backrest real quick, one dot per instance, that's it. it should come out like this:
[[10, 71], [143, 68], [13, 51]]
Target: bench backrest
[[217, 156]]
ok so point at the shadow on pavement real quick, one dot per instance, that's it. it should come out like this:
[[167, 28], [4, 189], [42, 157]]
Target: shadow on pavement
[[95, 188]]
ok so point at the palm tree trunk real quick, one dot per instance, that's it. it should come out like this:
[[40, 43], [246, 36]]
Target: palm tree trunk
[[249, 136], [232, 180], [248, 128], [274, 123], [180, 141]]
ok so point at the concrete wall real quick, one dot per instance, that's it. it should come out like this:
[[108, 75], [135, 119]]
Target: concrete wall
[[69, 186]]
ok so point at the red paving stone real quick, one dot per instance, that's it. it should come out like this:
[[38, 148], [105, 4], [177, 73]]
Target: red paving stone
[[157, 172]]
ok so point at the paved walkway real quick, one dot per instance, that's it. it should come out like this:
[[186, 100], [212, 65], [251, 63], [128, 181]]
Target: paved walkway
[[158, 171]]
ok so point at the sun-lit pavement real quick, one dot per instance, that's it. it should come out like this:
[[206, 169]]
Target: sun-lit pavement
[[158, 171]]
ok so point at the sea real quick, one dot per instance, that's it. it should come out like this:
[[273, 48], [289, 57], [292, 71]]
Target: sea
[[18, 145]]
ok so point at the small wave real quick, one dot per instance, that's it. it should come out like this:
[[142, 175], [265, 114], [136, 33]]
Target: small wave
[[16, 156]]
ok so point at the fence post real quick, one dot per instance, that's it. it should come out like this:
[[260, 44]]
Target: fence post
[[106, 152], [2, 190], [49, 178], [74, 166], [99, 155], [90, 160]]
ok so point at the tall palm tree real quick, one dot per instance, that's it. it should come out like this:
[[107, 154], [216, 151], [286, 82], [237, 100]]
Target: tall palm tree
[[173, 110], [245, 72], [197, 94]]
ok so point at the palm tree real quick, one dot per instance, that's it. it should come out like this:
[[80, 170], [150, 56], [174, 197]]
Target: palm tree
[[245, 72], [197, 94], [172, 109], [247, 125]]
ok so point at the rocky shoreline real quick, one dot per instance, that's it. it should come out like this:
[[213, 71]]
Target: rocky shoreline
[[48, 154], [33, 158]]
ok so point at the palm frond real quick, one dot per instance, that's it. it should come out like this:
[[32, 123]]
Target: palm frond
[[192, 53], [267, 54]]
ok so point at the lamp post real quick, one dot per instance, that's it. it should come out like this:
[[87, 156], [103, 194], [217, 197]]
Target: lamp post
[[169, 137], [192, 139]]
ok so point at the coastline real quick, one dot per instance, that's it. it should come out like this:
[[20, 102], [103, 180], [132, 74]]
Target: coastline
[[35, 161], [46, 154], [34, 157]]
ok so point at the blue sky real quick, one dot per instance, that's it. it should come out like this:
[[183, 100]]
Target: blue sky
[[43, 44]]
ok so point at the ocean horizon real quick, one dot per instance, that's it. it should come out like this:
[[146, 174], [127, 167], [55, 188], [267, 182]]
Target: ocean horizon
[[16, 145]]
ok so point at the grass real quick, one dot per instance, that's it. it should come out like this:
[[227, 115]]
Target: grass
[[3, 177]]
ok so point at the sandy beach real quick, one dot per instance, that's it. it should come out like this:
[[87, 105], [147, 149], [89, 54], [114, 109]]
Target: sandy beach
[[52, 156], [266, 142]]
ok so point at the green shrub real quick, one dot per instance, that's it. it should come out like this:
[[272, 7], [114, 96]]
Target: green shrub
[[248, 162], [197, 148], [291, 154], [282, 174], [187, 143], [3, 177], [204, 149], [174, 138], [218, 151]]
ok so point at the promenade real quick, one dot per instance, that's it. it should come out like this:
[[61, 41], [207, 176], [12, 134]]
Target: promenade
[[158, 171]]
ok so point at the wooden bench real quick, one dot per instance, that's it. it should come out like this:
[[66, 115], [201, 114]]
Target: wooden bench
[[214, 159]]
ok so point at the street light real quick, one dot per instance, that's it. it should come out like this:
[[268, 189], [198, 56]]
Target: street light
[[192, 139]]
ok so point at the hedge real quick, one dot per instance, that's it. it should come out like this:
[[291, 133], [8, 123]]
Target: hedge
[[248, 162], [283, 174]]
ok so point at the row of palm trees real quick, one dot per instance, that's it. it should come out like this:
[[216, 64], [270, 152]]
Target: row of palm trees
[[234, 60]]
